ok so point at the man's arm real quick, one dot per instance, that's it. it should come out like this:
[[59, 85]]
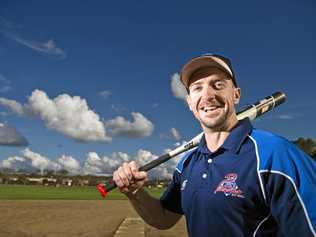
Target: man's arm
[[151, 210], [131, 182], [291, 192]]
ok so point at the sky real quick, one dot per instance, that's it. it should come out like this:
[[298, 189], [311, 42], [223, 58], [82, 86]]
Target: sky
[[87, 86]]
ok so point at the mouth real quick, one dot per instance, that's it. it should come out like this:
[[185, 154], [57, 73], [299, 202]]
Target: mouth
[[211, 110], [207, 109]]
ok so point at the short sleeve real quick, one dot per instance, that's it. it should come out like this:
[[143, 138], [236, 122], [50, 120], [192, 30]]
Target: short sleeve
[[171, 198]]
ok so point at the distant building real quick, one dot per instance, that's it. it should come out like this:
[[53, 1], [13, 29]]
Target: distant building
[[34, 181], [67, 182]]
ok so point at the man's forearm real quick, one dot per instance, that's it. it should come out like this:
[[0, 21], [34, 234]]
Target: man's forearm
[[151, 210]]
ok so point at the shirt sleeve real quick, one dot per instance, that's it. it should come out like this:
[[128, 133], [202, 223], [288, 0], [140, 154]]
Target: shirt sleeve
[[171, 198], [290, 185]]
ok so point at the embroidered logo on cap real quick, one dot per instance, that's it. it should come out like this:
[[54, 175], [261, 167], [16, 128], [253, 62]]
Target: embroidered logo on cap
[[229, 187]]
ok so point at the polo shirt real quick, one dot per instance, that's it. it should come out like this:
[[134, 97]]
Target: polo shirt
[[255, 184]]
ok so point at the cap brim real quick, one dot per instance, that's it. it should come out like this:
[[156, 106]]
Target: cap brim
[[201, 62]]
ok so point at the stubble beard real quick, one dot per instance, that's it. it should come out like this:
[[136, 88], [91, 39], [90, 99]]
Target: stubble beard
[[219, 123]]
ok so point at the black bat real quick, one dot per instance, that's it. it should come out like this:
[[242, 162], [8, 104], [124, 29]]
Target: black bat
[[252, 112]]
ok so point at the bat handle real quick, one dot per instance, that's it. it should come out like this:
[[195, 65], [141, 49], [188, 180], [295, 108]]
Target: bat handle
[[105, 188]]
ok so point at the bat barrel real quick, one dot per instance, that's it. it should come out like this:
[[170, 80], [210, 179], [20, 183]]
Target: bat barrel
[[279, 98]]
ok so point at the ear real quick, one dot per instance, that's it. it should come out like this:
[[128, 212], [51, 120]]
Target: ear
[[189, 102], [236, 95]]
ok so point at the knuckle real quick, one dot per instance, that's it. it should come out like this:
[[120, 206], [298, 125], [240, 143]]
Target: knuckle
[[125, 179]]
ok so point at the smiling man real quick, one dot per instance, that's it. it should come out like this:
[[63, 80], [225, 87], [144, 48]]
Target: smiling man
[[240, 181]]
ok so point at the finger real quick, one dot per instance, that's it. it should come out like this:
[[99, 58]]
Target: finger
[[127, 170], [123, 177], [125, 190], [117, 180], [134, 167], [142, 175]]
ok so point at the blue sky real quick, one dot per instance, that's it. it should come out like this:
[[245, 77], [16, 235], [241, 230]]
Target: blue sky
[[120, 58]]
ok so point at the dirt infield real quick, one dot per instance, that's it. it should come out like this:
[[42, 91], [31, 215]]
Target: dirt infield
[[71, 219]]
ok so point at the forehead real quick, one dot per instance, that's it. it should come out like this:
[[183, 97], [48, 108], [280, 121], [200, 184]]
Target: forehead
[[212, 72]]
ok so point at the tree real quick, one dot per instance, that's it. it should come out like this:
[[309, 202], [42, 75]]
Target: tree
[[313, 155], [307, 145]]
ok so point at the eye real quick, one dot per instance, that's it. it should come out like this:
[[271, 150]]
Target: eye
[[195, 88], [219, 85]]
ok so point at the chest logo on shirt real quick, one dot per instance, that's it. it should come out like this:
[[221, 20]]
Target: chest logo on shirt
[[229, 186]]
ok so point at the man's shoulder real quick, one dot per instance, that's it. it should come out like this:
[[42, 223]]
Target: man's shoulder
[[275, 152], [184, 158], [268, 139]]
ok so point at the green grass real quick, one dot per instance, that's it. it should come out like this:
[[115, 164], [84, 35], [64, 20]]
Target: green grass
[[30, 192]]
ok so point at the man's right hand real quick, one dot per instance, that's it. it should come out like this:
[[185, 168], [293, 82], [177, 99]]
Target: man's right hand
[[128, 178]]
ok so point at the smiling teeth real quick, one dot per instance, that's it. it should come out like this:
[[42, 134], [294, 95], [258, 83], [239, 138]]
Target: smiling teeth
[[209, 109]]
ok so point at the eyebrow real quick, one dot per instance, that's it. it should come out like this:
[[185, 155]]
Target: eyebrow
[[213, 81]]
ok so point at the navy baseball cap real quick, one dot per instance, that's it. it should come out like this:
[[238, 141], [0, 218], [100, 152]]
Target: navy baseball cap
[[204, 61]]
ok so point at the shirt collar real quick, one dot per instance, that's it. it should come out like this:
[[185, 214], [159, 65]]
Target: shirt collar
[[233, 141]]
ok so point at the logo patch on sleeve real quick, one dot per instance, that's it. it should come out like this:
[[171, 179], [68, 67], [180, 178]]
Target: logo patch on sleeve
[[229, 186]]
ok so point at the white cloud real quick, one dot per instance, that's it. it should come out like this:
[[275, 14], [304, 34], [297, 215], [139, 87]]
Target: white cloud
[[40, 162], [70, 164], [94, 164], [143, 157], [105, 94], [155, 105], [118, 108], [14, 106], [175, 134], [31, 160], [48, 48], [10, 162], [9, 136], [163, 171], [177, 88], [68, 115], [139, 127], [71, 116], [285, 116], [8, 28]]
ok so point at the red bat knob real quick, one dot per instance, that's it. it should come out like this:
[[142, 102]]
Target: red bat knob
[[102, 190]]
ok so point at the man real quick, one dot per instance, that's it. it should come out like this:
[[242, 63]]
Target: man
[[239, 181]]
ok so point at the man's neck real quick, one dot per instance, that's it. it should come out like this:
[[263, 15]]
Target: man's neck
[[216, 138]]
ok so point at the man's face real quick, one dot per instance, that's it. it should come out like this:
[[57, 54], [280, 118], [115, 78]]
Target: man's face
[[212, 98]]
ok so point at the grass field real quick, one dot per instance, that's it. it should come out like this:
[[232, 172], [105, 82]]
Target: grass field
[[29, 192]]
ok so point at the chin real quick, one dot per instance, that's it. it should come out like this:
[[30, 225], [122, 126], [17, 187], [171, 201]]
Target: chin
[[214, 124]]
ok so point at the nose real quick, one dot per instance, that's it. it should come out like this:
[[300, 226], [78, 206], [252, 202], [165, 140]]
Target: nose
[[208, 93]]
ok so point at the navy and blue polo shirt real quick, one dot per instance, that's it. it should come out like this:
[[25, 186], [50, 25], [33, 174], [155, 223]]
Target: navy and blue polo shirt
[[255, 184]]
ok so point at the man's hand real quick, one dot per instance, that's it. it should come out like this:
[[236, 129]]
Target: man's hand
[[128, 178]]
